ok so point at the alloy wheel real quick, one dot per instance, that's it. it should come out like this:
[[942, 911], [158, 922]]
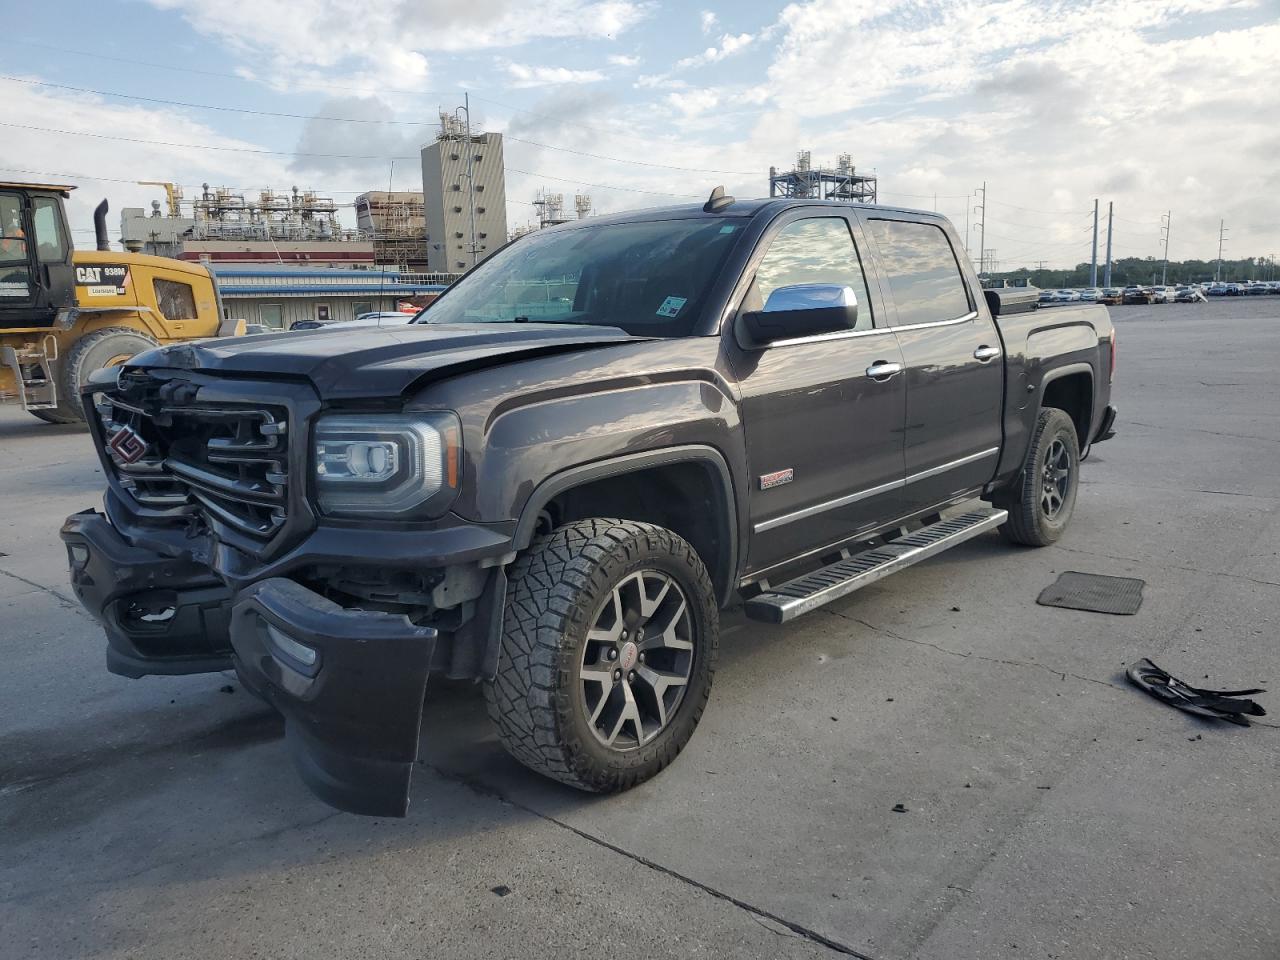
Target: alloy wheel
[[637, 661], [1056, 479]]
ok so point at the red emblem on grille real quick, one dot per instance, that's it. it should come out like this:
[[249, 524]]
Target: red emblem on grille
[[127, 446]]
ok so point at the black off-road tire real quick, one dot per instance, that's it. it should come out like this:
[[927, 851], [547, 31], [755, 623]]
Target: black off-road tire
[[557, 588], [1029, 523], [90, 353]]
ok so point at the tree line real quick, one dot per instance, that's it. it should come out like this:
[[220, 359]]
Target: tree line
[[1146, 271]]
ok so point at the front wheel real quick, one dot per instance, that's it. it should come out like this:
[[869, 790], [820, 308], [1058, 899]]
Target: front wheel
[[608, 651], [1043, 498]]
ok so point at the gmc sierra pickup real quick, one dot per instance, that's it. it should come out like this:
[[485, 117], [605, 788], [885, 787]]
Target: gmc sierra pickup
[[554, 479]]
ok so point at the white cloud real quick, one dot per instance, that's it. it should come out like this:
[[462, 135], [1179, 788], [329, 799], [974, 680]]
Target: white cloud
[[729, 45], [382, 42], [524, 75], [622, 60], [37, 155], [709, 21], [1050, 110], [694, 102]]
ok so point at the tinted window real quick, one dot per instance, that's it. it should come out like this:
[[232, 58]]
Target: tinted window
[[922, 271], [49, 245], [650, 278], [812, 251], [175, 300]]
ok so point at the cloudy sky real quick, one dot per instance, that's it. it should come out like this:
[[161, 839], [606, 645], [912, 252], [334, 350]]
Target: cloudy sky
[[1153, 104]]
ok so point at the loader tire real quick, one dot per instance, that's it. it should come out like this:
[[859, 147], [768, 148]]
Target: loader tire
[[108, 347]]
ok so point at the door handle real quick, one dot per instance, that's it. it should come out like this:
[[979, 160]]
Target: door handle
[[985, 353], [881, 371]]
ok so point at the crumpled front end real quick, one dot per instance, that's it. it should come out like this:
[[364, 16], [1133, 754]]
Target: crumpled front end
[[211, 556]]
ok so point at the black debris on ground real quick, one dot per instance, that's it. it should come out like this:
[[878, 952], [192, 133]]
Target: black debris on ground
[[1227, 705], [226, 688], [501, 890], [899, 808]]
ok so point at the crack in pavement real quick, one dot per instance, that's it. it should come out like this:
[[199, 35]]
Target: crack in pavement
[[62, 599], [1168, 566], [884, 631], [758, 914], [1212, 433]]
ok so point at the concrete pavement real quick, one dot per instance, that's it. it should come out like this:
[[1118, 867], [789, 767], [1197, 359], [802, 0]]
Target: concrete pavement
[[1051, 810]]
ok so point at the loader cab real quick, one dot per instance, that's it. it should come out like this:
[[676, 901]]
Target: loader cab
[[37, 279]]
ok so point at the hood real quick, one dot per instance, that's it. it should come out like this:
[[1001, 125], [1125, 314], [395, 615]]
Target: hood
[[364, 362]]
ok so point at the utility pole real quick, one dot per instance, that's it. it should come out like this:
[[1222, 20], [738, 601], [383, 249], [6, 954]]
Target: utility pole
[[1106, 278], [1165, 228], [470, 174], [982, 229], [1093, 265], [1222, 234]]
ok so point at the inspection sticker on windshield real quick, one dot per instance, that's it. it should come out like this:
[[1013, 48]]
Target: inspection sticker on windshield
[[671, 306]]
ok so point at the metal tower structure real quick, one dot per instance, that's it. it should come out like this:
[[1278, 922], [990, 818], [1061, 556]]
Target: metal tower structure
[[841, 182]]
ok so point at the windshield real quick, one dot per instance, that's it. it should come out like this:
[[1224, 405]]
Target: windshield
[[650, 278]]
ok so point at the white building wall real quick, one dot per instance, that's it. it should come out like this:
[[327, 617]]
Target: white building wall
[[446, 188]]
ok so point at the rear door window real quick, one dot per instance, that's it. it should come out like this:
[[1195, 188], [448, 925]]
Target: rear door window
[[51, 246], [922, 271], [815, 250]]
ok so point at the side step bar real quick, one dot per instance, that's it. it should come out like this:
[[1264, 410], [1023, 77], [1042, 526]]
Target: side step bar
[[788, 601]]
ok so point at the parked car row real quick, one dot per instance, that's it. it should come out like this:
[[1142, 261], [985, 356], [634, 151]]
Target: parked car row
[[1160, 293], [1249, 288]]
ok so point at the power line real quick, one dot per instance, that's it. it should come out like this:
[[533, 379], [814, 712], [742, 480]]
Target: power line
[[365, 120], [330, 86]]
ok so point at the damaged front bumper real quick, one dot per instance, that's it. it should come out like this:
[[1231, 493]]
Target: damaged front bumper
[[349, 683], [162, 614]]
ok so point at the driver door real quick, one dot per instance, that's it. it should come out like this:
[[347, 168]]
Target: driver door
[[823, 415]]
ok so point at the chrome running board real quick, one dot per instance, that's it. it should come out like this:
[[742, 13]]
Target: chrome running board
[[786, 602]]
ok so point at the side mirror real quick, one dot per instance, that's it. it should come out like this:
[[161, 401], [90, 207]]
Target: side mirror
[[801, 310]]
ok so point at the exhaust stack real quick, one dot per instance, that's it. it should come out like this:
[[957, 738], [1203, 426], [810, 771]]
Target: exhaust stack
[[100, 226]]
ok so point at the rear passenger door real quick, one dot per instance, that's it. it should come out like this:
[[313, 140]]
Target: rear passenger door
[[954, 361]]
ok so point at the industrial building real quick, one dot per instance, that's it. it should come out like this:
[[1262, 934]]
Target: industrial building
[[841, 182], [226, 226], [464, 188], [278, 297], [396, 223]]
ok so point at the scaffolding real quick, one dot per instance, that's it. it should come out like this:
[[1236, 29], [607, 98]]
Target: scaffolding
[[841, 182], [396, 222]]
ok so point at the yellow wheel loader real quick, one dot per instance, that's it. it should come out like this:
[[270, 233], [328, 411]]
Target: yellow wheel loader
[[65, 314]]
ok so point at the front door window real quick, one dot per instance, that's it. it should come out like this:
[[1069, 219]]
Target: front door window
[[15, 269]]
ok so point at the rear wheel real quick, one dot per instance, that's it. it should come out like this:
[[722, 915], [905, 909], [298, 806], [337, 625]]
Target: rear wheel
[[109, 347], [1043, 498], [608, 651]]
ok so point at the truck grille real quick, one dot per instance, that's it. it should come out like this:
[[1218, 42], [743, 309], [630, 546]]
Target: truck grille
[[229, 462]]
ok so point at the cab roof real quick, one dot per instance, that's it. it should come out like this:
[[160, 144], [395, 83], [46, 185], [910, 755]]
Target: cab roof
[[738, 208], [61, 188]]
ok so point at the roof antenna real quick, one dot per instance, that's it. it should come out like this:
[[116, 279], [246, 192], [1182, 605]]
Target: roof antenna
[[719, 200]]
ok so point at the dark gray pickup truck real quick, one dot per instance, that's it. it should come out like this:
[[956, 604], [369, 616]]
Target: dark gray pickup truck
[[554, 479]]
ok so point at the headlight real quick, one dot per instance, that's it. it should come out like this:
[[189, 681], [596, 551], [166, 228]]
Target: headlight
[[387, 466]]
